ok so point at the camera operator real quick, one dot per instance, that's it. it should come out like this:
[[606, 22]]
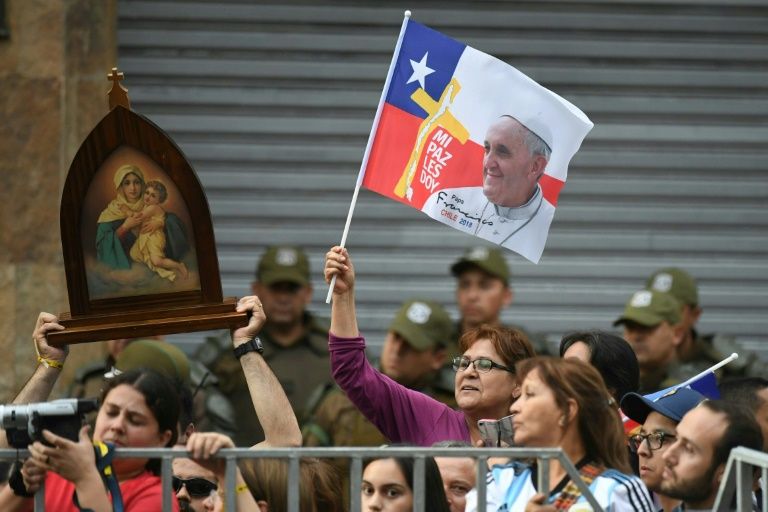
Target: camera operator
[[140, 408]]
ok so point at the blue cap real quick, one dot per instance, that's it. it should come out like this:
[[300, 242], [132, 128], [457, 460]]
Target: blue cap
[[673, 404]]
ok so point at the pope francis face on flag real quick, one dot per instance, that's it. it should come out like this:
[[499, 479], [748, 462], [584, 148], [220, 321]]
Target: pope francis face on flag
[[515, 159]]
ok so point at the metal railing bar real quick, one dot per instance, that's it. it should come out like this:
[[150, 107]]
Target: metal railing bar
[[355, 476], [481, 482], [166, 474], [737, 479], [230, 482], [294, 483], [419, 489], [543, 476]]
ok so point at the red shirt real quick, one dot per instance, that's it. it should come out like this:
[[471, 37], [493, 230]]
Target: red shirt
[[141, 493]]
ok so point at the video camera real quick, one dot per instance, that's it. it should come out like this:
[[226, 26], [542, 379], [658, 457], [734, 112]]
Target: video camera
[[24, 423]]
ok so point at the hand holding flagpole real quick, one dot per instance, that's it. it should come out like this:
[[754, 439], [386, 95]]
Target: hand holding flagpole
[[368, 146]]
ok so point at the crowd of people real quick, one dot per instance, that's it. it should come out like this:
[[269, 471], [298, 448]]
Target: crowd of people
[[290, 378]]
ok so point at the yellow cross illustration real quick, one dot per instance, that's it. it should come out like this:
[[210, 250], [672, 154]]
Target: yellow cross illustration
[[439, 115]]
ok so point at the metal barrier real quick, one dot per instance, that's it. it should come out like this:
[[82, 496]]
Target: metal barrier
[[544, 456], [739, 478]]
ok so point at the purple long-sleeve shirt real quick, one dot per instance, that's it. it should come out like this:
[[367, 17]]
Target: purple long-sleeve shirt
[[403, 415]]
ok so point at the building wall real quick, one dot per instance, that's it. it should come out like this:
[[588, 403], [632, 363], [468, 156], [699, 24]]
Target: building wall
[[53, 67]]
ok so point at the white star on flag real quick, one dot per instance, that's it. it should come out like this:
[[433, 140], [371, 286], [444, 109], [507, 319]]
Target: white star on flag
[[420, 70]]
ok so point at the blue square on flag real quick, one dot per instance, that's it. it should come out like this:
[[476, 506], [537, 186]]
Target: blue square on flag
[[427, 58]]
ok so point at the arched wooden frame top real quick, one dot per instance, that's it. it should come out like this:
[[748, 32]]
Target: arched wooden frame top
[[120, 128]]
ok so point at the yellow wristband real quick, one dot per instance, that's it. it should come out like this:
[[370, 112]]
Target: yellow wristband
[[50, 363], [241, 488]]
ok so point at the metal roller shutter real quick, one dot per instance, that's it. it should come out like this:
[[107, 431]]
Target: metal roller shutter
[[273, 103]]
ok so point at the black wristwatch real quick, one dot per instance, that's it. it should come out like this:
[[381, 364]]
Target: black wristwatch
[[252, 345]]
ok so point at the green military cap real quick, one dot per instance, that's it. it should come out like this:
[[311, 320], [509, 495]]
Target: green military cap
[[650, 308], [676, 281], [424, 324], [285, 264], [487, 259], [156, 355]]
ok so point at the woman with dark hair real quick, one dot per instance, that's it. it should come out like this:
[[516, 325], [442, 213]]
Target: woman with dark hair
[[485, 383], [565, 404], [139, 408], [388, 485], [611, 355]]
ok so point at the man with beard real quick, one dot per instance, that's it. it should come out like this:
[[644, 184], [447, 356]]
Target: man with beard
[[695, 462]]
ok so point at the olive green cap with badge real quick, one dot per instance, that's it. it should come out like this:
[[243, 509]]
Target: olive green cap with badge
[[156, 355], [487, 259], [650, 308], [424, 324], [283, 264], [677, 282]]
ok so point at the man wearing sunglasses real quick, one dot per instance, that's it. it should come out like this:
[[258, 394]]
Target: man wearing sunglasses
[[194, 486], [659, 419]]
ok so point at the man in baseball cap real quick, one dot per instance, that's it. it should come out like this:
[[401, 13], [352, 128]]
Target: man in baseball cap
[[295, 341], [658, 418], [651, 323], [700, 351], [483, 290]]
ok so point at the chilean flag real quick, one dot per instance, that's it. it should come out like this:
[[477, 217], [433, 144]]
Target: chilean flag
[[428, 145]]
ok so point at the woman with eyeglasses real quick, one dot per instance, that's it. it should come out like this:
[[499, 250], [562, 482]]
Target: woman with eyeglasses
[[658, 419], [565, 404], [485, 382]]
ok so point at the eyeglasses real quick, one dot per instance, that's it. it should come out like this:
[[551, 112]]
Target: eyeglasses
[[196, 487], [481, 364], [654, 441]]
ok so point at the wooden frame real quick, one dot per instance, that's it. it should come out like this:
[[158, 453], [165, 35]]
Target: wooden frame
[[200, 306]]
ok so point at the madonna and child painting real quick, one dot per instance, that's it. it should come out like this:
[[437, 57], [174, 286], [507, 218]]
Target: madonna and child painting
[[137, 231]]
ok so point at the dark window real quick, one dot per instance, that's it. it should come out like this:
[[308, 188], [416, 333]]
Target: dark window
[[3, 26]]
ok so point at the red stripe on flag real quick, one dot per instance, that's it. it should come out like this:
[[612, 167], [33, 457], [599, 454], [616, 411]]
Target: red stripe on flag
[[550, 188], [441, 162]]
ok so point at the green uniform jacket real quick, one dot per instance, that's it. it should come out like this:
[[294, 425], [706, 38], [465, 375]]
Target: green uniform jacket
[[300, 368]]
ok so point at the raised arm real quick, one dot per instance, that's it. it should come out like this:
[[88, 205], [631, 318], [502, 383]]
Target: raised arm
[[50, 359], [272, 406], [343, 314]]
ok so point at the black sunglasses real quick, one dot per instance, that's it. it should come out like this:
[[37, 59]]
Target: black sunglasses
[[196, 487]]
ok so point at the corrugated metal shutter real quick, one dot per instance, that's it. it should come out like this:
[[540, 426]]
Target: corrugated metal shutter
[[273, 105]]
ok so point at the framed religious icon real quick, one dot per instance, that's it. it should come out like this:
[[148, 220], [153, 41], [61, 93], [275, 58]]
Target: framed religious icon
[[139, 249]]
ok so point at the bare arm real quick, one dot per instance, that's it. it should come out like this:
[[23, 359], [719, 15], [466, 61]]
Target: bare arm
[[272, 406], [40, 384], [343, 314]]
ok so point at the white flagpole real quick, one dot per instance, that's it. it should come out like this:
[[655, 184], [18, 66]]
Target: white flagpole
[[713, 369], [372, 136]]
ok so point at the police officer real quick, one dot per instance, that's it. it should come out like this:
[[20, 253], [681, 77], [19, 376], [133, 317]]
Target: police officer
[[295, 341], [652, 327], [414, 354], [483, 291], [695, 349]]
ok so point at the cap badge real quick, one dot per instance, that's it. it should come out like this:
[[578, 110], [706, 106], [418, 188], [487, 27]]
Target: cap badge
[[662, 283], [478, 253], [286, 257], [418, 313], [641, 299]]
